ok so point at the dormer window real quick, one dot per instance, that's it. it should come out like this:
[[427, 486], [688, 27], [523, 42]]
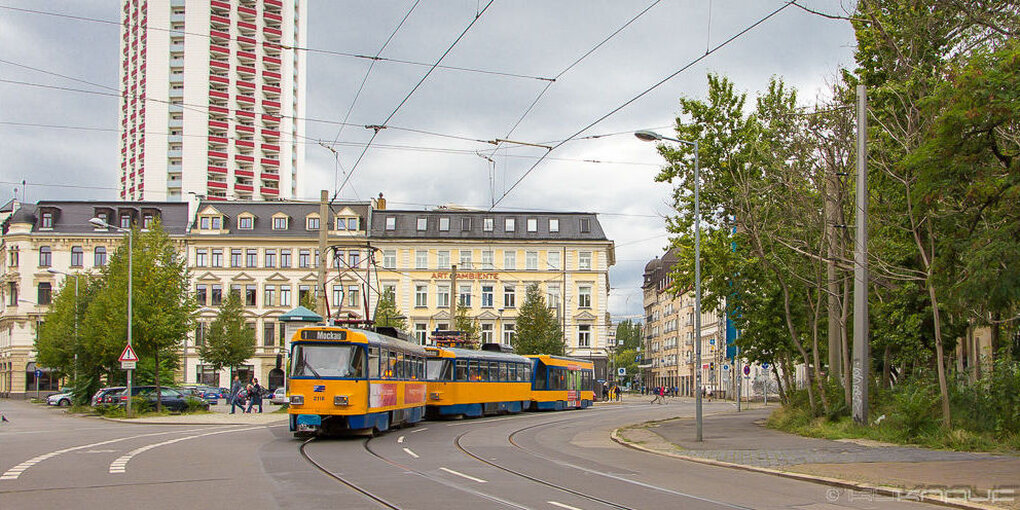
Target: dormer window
[[47, 220], [203, 223], [391, 223], [125, 221], [444, 224], [347, 223], [217, 222], [147, 221], [423, 224], [279, 223], [312, 223], [585, 225], [245, 223]]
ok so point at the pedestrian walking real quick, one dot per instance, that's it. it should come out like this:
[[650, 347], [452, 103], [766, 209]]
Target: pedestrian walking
[[254, 395], [235, 395], [660, 395]]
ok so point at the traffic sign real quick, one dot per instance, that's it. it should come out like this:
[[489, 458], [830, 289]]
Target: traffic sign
[[711, 341], [747, 369], [128, 354], [127, 365], [38, 373], [725, 367], [764, 365], [621, 371]]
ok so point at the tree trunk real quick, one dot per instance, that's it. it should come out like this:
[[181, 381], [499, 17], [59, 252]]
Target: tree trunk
[[886, 369], [940, 356], [159, 392], [832, 284], [844, 340], [817, 356]]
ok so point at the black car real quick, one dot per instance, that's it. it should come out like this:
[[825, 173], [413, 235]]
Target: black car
[[171, 399]]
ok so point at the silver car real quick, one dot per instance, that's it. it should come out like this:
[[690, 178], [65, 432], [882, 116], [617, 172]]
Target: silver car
[[279, 397], [60, 399]]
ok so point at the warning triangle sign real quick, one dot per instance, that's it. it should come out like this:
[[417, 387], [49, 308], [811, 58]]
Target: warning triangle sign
[[128, 354]]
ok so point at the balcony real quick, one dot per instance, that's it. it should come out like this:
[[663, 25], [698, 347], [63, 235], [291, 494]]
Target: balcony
[[246, 70], [244, 173], [219, 94], [219, 37], [217, 169], [220, 5], [240, 157], [219, 79], [246, 12], [244, 143], [269, 132], [270, 162], [221, 22], [269, 191], [177, 48], [246, 57], [174, 139], [219, 49], [218, 139], [244, 187], [246, 113], [217, 184], [270, 148], [246, 85], [217, 155], [219, 64], [269, 89], [275, 105], [272, 32], [270, 74], [274, 3], [175, 123], [243, 128], [250, 27], [270, 176]]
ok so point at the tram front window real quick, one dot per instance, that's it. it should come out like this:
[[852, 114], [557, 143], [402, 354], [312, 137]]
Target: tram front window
[[328, 361]]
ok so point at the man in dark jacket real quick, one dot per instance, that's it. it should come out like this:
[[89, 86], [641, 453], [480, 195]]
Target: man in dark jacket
[[235, 390], [254, 395]]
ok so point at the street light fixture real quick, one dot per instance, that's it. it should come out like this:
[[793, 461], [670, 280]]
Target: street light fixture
[[101, 223], [652, 136], [75, 275]]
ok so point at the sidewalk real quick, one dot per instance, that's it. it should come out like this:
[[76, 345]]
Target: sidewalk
[[866, 470]]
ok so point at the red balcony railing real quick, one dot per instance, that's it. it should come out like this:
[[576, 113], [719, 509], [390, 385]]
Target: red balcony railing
[[244, 143], [241, 157], [245, 113], [244, 187], [244, 173], [246, 129], [218, 169], [217, 184], [272, 31], [246, 84], [271, 104], [269, 191], [219, 79], [219, 109], [221, 65], [218, 139], [217, 154], [221, 95], [271, 177], [269, 147], [270, 162]]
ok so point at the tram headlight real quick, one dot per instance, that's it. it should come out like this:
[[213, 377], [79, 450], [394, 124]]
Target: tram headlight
[[297, 400], [340, 400]]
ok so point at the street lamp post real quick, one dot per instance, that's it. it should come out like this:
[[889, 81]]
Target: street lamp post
[[57, 271], [99, 222], [651, 136]]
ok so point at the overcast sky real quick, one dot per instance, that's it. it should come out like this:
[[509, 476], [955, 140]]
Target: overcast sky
[[430, 154]]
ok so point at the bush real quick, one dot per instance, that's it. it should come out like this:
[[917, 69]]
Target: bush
[[196, 405], [914, 409]]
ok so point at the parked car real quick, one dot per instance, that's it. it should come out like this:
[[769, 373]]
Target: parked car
[[279, 396], [62, 399], [208, 393], [105, 396], [170, 398]]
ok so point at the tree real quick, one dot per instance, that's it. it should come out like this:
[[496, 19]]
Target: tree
[[310, 302], [538, 332], [468, 326], [228, 342], [628, 335], [387, 314], [61, 345]]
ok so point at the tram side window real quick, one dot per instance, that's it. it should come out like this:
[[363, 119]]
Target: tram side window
[[512, 372], [401, 371], [388, 359], [503, 372], [494, 371], [461, 372], [474, 372], [558, 380], [373, 362], [527, 373], [541, 377]]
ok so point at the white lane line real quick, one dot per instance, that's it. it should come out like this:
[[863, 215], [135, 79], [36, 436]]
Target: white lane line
[[423, 429], [400, 439], [462, 475], [14, 472], [409, 452], [561, 505], [120, 465]]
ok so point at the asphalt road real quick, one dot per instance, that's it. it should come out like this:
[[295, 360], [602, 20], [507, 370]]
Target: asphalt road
[[533, 460]]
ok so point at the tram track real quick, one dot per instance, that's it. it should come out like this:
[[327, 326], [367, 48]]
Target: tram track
[[365, 492]]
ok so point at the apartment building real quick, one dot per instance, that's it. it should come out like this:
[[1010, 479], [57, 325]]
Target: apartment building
[[212, 99]]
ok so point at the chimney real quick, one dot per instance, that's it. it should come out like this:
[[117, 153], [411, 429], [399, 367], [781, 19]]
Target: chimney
[[379, 204]]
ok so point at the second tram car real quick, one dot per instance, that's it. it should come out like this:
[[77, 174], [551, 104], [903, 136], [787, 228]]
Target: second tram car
[[353, 379], [561, 383], [465, 382]]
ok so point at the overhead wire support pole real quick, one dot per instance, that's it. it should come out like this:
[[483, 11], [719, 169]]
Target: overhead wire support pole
[[861, 350]]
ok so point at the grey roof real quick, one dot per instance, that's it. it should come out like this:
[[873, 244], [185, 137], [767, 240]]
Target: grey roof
[[72, 216], [406, 225], [659, 268], [264, 211]]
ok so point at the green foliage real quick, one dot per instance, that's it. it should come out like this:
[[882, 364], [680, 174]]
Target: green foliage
[[195, 405], [309, 301], [628, 335], [538, 331], [468, 326], [387, 313], [229, 342]]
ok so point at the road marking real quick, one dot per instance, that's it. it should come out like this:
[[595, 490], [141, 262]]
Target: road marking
[[14, 472], [400, 439], [409, 452], [423, 429], [462, 475], [561, 505], [120, 465]]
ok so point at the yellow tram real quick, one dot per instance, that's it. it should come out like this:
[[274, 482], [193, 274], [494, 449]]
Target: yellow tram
[[466, 382], [561, 383]]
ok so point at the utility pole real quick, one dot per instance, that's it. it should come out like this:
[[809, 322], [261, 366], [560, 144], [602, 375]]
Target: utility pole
[[320, 284], [453, 295], [861, 360]]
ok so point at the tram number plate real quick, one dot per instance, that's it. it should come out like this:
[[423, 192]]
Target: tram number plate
[[318, 399]]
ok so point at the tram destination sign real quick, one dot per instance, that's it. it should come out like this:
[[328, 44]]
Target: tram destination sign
[[320, 334]]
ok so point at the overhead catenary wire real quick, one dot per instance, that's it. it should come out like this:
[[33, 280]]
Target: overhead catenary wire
[[644, 93]]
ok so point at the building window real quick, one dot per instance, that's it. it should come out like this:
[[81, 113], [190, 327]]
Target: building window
[[12, 294], [125, 221], [338, 259], [421, 295], [584, 335], [235, 289], [302, 293], [45, 256], [509, 260], [553, 258], [201, 295], [304, 258], [280, 223], [285, 261], [464, 295], [421, 259], [201, 257], [268, 333], [585, 225], [14, 255], [584, 260], [532, 225], [338, 294], [465, 259], [216, 258], [465, 224], [444, 224], [77, 256], [584, 296], [421, 331], [235, 257], [531, 260], [443, 259], [354, 258], [251, 258], [147, 221], [509, 296], [216, 295], [391, 223], [443, 296], [201, 328], [269, 295], [423, 224], [284, 295], [47, 220], [508, 333], [486, 333], [509, 224], [45, 295], [352, 224], [270, 258], [203, 223], [552, 296], [312, 223], [217, 222], [245, 223], [250, 292], [487, 296], [99, 259], [487, 224], [554, 225], [389, 259], [487, 260], [353, 296]]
